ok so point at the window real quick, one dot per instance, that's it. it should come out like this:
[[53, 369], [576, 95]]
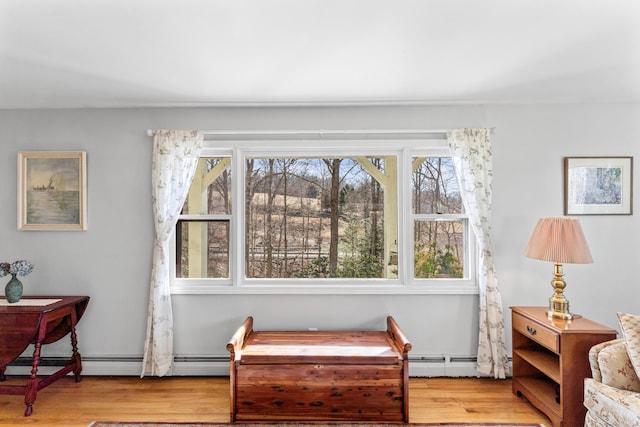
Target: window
[[439, 224], [203, 229], [345, 216]]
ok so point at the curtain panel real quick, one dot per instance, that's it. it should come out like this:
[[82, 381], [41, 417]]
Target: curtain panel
[[471, 151], [175, 159]]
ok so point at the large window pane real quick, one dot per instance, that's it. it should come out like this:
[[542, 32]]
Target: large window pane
[[314, 217]]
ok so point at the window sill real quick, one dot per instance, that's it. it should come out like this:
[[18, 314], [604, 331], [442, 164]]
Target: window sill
[[326, 289]]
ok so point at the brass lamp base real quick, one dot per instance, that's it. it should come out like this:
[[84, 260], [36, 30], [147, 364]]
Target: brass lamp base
[[558, 304], [559, 309]]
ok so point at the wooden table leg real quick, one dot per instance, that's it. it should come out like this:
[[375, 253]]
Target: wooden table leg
[[75, 355], [32, 382]]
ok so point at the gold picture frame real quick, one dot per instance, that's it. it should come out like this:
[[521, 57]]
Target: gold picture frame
[[598, 185], [52, 190]]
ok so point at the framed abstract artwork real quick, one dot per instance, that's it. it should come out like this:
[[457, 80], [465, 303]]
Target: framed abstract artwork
[[52, 190], [598, 185]]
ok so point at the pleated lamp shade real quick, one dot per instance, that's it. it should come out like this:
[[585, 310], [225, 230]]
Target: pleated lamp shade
[[559, 240]]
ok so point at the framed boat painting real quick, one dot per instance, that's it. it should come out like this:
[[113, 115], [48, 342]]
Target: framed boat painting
[[598, 185], [52, 191]]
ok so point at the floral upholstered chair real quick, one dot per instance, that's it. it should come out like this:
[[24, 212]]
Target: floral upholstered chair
[[612, 396]]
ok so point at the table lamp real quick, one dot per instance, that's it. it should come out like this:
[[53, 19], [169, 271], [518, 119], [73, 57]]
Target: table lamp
[[558, 240]]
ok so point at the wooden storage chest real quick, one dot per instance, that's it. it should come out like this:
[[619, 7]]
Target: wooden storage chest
[[319, 375]]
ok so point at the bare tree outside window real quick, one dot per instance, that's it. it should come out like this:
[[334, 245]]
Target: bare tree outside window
[[312, 218]]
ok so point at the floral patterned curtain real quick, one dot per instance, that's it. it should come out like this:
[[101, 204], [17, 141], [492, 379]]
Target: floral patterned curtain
[[471, 149], [175, 158]]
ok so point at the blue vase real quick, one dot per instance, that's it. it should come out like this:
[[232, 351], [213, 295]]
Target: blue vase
[[13, 290]]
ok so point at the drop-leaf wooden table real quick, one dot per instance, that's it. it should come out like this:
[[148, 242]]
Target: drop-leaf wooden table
[[38, 320]]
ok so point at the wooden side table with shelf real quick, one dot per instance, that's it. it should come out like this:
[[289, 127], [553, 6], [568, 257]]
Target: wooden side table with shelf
[[551, 360]]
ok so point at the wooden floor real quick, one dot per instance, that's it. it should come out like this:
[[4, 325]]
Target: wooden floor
[[206, 399]]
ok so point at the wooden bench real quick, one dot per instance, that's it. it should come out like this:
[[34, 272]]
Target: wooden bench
[[319, 375]]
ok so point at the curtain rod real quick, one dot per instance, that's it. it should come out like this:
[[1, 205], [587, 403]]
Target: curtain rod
[[319, 133]]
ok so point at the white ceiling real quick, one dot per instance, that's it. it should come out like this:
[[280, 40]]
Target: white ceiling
[[123, 53]]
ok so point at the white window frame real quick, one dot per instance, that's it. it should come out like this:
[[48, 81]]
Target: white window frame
[[404, 149]]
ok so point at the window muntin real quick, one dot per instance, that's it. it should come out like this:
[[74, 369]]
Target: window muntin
[[399, 159]]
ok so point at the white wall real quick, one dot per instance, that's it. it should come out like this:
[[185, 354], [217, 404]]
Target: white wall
[[529, 146], [111, 260]]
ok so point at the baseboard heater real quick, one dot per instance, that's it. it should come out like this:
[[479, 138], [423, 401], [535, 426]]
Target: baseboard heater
[[419, 366], [443, 366]]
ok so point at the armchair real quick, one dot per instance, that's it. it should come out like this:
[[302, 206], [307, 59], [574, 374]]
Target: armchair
[[612, 396]]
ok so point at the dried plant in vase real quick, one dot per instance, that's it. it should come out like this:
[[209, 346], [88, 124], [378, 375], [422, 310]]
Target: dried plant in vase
[[13, 289]]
